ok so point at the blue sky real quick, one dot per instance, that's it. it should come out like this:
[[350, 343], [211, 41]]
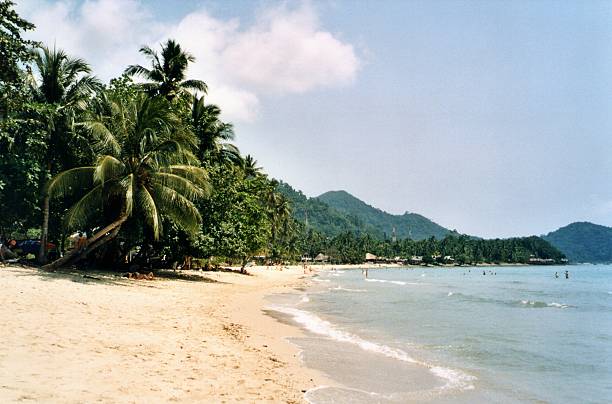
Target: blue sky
[[489, 117]]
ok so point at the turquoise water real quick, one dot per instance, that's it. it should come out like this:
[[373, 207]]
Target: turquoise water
[[516, 334]]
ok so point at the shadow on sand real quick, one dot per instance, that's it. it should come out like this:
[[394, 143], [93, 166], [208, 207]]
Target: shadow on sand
[[107, 277]]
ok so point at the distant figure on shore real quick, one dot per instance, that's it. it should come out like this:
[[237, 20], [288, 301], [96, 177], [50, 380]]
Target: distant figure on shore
[[366, 273], [566, 274], [484, 273]]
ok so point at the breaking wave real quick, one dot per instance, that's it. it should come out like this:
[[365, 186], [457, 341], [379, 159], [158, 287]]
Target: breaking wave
[[455, 379]]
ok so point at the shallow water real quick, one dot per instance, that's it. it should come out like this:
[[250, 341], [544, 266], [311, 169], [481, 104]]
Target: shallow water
[[516, 334]]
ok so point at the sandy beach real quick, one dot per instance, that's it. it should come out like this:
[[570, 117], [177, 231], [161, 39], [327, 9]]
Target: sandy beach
[[77, 337]]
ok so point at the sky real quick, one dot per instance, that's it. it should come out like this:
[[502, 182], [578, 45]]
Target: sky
[[489, 117]]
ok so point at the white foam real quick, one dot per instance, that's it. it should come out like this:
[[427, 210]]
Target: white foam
[[314, 324], [456, 379], [544, 304], [314, 389], [401, 283], [321, 280], [450, 294], [558, 305], [347, 289], [305, 299]]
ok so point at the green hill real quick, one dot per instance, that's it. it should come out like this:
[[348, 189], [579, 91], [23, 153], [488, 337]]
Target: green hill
[[583, 242], [338, 212], [408, 225], [321, 216]]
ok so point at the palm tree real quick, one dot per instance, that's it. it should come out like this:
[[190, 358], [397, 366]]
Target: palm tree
[[213, 133], [166, 77], [146, 168], [279, 213], [64, 84], [250, 167]]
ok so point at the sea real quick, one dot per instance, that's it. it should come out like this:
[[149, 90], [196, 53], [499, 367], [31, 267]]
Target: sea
[[495, 334]]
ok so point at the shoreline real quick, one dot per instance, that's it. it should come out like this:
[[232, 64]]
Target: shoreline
[[68, 337], [201, 336]]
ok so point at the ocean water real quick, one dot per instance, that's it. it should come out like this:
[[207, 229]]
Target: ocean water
[[515, 334]]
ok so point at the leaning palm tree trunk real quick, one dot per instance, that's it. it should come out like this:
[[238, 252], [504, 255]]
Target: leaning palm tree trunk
[[101, 237], [42, 251]]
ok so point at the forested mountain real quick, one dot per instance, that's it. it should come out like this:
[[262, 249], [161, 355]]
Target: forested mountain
[[408, 225], [583, 242], [337, 212], [320, 216]]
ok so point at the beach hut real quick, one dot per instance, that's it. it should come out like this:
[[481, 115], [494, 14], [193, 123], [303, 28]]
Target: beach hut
[[371, 257], [321, 258], [416, 259]]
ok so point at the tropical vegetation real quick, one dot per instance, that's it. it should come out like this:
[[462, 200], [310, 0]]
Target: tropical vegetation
[[148, 170]]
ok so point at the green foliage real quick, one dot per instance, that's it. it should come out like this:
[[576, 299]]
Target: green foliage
[[213, 134], [408, 225], [336, 212], [583, 242], [320, 216], [167, 73], [23, 148], [14, 50], [144, 168], [349, 248], [235, 223]]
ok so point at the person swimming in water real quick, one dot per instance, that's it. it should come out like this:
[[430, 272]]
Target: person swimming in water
[[566, 274], [556, 274]]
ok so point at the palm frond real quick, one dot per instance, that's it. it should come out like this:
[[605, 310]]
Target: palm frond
[[89, 206], [178, 208], [198, 85], [108, 167], [181, 185], [128, 186], [197, 175], [149, 209], [138, 70], [66, 182], [105, 140]]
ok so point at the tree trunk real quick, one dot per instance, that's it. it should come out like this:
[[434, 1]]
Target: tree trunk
[[245, 260], [42, 251], [95, 241]]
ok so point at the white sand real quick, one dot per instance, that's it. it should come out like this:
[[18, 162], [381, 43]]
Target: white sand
[[66, 338]]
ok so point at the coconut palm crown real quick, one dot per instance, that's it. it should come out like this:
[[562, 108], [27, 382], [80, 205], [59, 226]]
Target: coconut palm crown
[[213, 134], [145, 162], [167, 75], [62, 80]]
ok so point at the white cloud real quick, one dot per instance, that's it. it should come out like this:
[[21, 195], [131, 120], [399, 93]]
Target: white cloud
[[285, 51]]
